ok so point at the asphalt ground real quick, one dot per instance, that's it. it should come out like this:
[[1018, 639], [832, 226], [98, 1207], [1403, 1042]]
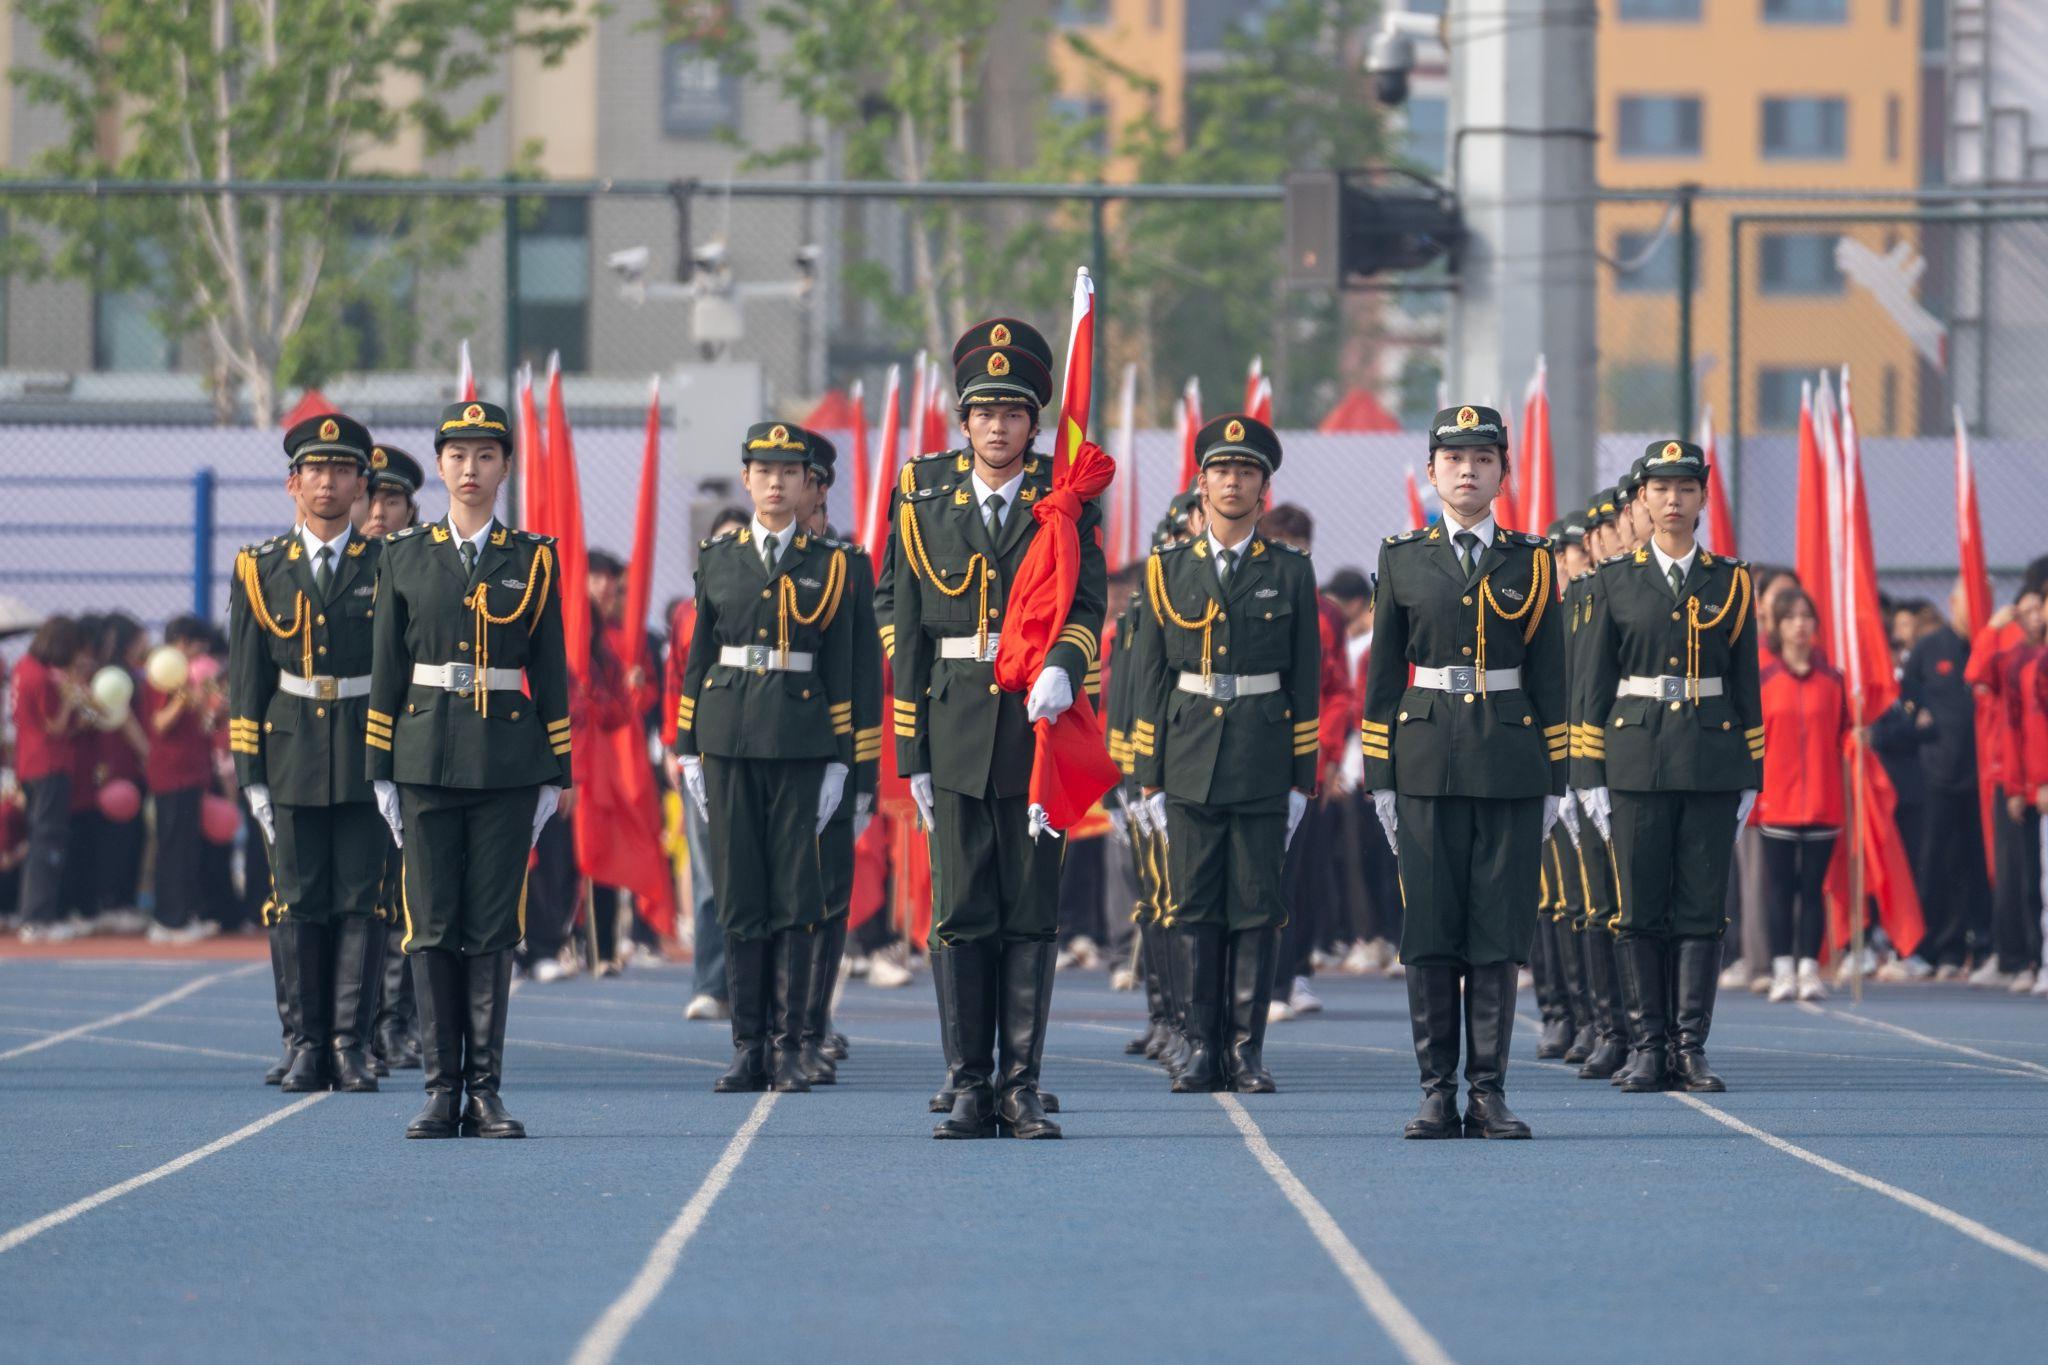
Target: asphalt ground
[[1871, 1187]]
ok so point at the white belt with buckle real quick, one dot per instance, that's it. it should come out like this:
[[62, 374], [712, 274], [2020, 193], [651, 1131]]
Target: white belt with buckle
[[962, 647], [1458, 679], [323, 688], [764, 659], [1668, 687], [463, 677], [1228, 686]]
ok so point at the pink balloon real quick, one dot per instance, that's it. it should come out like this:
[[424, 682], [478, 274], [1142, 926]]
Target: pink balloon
[[119, 801], [204, 669], [219, 818]]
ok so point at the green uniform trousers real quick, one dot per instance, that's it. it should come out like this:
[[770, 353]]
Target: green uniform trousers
[[1469, 878], [1672, 854], [1223, 863], [835, 865], [328, 861], [764, 843], [464, 884], [990, 879]]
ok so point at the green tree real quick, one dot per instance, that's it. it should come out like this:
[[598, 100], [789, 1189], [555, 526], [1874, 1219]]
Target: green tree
[[221, 91]]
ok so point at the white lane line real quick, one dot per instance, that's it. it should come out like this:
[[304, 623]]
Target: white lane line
[[36, 1228], [1969, 1227], [148, 1007], [1872, 1057], [2033, 1069], [608, 1334], [617, 1052], [174, 1047], [1409, 1336]]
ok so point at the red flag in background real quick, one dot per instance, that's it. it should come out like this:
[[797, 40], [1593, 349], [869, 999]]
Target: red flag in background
[[938, 427], [1077, 388], [1539, 496], [1187, 421], [465, 375], [640, 568], [1811, 554], [1126, 516], [564, 503], [1254, 376], [1970, 536], [533, 457], [1720, 535], [1873, 681], [1358, 410], [1507, 504], [1416, 517], [874, 524], [863, 468]]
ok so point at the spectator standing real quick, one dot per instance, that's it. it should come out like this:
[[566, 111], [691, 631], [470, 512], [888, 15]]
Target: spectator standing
[[1799, 811]]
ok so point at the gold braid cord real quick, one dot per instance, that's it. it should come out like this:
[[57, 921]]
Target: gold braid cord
[[1533, 609], [821, 615], [1163, 609], [1738, 591], [302, 620], [539, 574], [921, 565]]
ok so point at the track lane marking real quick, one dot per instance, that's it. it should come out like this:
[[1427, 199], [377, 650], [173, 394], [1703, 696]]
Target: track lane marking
[[2033, 1069], [147, 1007], [602, 1342], [617, 1052], [155, 1046]]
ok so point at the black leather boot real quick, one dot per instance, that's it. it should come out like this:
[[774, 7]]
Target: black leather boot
[[1201, 955], [308, 972], [1173, 1050], [1699, 974], [1489, 1025], [490, 992], [1610, 1038], [373, 1005], [748, 987], [1641, 960], [792, 970], [358, 940], [833, 1043], [441, 985], [1581, 1034], [284, 1014], [1020, 1038], [1254, 957], [1147, 1043], [398, 1039], [1547, 966], [814, 1060], [1433, 1018], [967, 1023]]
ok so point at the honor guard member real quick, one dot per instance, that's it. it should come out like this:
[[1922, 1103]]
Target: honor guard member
[[765, 734], [1465, 764], [300, 624], [469, 750], [964, 524], [391, 505], [822, 1048], [1670, 760], [1224, 726], [1556, 962]]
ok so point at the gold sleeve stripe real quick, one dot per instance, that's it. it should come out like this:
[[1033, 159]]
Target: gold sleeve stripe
[[1373, 727], [380, 715], [1557, 729], [1081, 638], [905, 731], [375, 742]]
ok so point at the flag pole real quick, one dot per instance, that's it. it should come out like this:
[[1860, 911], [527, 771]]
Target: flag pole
[[590, 926]]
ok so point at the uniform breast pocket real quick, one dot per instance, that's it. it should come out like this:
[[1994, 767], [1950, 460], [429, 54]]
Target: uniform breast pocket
[[1268, 634]]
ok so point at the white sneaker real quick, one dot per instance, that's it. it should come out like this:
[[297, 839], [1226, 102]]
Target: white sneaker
[[194, 932], [1123, 979], [1322, 961], [1810, 987], [1086, 955], [2041, 982], [1278, 1013], [1783, 985], [1396, 969], [885, 973], [2022, 982], [706, 1007], [1525, 980], [1735, 976], [127, 920], [1948, 971], [63, 931], [546, 972], [1989, 975], [1759, 982], [1301, 999]]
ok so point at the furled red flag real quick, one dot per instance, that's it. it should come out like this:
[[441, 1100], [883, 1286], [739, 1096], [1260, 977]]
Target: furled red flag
[[920, 400], [1358, 410], [937, 427], [1507, 504], [1970, 536], [1873, 683], [1416, 517], [1827, 429], [1254, 376], [1126, 537], [646, 516], [1811, 554], [863, 468], [1187, 420], [835, 411], [1539, 496], [532, 470], [874, 517], [465, 375], [1720, 535], [1071, 768], [565, 503]]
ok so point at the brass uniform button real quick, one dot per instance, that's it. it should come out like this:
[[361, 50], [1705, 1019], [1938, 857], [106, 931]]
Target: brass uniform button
[[1222, 616], [1620, 721], [1674, 661], [994, 612], [1724, 725], [1219, 711], [515, 715], [268, 727], [1404, 715], [410, 707], [1466, 651], [1223, 649], [1675, 705], [1528, 720], [320, 649], [993, 689], [320, 711], [1466, 599], [320, 620], [1288, 714], [767, 593], [761, 634], [1269, 616], [464, 646], [1674, 616], [1469, 699], [807, 694]]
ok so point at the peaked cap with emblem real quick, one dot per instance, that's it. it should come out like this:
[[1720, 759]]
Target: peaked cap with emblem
[[329, 438], [822, 457], [1625, 488], [1004, 332], [1002, 374], [776, 443], [1175, 522], [1467, 426], [1235, 436], [1603, 508], [1673, 459], [474, 419], [1568, 531], [391, 467]]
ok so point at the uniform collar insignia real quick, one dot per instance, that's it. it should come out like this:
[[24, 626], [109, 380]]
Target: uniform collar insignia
[[297, 548], [746, 534], [1643, 555], [1258, 547], [1435, 532], [498, 536], [964, 463], [1031, 464], [1027, 493], [356, 546], [803, 541], [1706, 559], [1202, 548], [960, 496], [440, 534]]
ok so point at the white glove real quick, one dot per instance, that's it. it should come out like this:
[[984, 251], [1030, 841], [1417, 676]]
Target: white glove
[[1297, 806], [387, 806], [1050, 695], [1594, 801], [1155, 811], [1119, 824], [830, 788], [1551, 813], [863, 813], [921, 792], [1383, 806], [1568, 811], [693, 783], [258, 796], [1038, 821], [544, 811], [1742, 810], [1140, 814]]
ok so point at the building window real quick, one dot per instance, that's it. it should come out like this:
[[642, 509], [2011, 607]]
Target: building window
[[1083, 13], [127, 331], [1425, 139], [554, 281], [1777, 396], [1800, 263], [1647, 262], [699, 98], [1892, 117], [1806, 11], [1659, 125], [1809, 128], [1641, 397], [1660, 11], [1089, 114]]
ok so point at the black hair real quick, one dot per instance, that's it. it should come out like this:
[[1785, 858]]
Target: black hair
[[732, 511], [1347, 584], [179, 629], [1289, 521], [605, 562]]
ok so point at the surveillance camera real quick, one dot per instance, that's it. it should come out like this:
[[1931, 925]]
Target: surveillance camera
[[630, 265], [708, 255], [1389, 61]]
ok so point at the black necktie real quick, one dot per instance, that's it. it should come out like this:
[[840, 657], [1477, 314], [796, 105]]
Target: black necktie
[[1226, 563], [1677, 577], [469, 558], [1468, 550], [323, 575], [994, 519]]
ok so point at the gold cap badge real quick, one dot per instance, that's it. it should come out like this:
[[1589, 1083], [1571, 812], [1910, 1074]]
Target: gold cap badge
[[1672, 451], [1467, 419], [378, 459], [473, 413], [1233, 430], [779, 435], [330, 430], [999, 335], [999, 364]]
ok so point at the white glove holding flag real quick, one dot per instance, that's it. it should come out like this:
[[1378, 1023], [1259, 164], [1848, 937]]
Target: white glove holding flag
[[258, 797], [1037, 822], [693, 782], [1051, 694], [1119, 820], [1383, 806], [921, 793], [1155, 809], [1595, 802], [544, 811], [1568, 811], [1551, 812], [387, 806], [1297, 806]]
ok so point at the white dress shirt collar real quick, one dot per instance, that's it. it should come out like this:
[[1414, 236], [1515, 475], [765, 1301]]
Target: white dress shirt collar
[[1007, 492], [1483, 529], [313, 544], [1664, 561]]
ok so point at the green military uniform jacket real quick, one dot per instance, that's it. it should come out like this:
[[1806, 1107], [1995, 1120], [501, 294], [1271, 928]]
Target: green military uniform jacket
[[951, 581], [1636, 627], [308, 750], [507, 615], [1117, 708], [1216, 750], [754, 710], [867, 678], [1431, 613]]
